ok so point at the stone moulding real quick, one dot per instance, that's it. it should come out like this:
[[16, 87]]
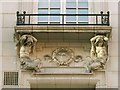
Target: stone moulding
[[96, 29], [63, 70]]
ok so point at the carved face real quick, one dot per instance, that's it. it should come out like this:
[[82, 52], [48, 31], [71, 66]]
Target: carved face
[[29, 43], [27, 40], [99, 42]]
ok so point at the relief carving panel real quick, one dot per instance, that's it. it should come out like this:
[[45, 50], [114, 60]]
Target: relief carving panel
[[63, 56]]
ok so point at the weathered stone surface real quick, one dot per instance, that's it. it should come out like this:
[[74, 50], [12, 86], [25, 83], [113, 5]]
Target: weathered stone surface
[[27, 44], [106, 29]]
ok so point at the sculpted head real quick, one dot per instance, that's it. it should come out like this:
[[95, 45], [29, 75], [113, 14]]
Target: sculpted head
[[26, 44], [100, 40], [27, 40]]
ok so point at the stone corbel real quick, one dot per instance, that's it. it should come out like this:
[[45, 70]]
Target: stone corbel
[[98, 52], [26, 46]]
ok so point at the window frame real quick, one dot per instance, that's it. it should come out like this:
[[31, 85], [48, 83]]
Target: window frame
[[63, 8]]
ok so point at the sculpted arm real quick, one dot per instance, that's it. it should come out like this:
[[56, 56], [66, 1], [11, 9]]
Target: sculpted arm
[[93, 47]]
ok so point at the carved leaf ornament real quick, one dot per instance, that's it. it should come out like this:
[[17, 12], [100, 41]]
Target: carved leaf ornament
[[63, 56]]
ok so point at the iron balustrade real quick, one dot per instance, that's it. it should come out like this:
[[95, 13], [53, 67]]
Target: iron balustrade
[[98, 19]]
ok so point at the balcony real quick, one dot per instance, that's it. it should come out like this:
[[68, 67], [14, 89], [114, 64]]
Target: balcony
[[51, 36], [96, 24], [97, 19]]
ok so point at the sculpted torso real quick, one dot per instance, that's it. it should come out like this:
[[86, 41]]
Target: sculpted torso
[[25, 51], [98, 52], [101, 52]]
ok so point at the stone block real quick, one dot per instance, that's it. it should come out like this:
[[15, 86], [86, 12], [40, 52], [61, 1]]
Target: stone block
[[1, 20], [10, 7], [9, 20], [113, 49], [112, 64], [63, 44], [7, 34], [26, 5], [61, 82], [8, 49], [0, 35], [114, 35], [100, 76], [79, 81], [112, 79], [0, 63], [70, 36], [115, 9], [51, 44], [9, 63], [55, 36], [114, 20], [0, 49]]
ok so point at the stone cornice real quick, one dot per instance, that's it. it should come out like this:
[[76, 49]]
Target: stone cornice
[[95, 29]]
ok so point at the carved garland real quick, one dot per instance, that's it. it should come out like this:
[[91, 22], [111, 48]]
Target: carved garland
[[63, 56]]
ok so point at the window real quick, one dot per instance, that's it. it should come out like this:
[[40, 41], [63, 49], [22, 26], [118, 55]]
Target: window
[[43, 18], [83, 19], [55, 18], [70, 19], [55, 3], [82, 9], [63, 7], [43, 4], [70, 3], [43, 9]]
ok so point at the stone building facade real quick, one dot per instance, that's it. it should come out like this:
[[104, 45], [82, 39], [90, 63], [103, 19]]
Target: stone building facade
[[63, 51]]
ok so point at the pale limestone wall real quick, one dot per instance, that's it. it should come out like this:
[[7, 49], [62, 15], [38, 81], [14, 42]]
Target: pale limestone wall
[[0, 46], [8, 45], [112, 66], [96, 6], [8, 54], [112, 69]]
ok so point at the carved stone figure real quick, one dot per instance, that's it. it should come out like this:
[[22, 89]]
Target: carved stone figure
[[27, 44], [98, 52], [99, 47]]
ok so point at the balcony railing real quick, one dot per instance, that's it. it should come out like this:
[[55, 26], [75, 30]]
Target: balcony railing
[[93, 19]]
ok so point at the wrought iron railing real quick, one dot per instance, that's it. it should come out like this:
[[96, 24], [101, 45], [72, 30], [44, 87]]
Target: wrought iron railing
[[93, 19]]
